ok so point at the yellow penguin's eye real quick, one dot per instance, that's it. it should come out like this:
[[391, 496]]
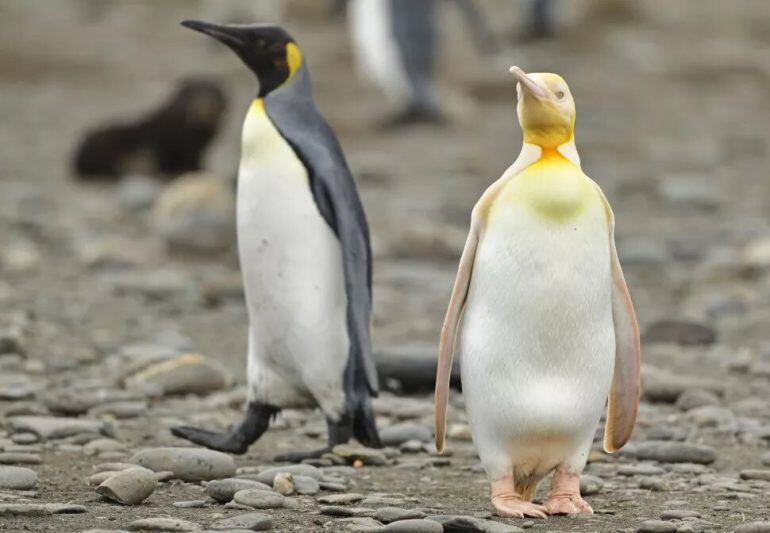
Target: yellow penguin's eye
[[559, 94]]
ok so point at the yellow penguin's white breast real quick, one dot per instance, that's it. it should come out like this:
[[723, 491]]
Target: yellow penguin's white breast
[[293, 274], [537, 340]]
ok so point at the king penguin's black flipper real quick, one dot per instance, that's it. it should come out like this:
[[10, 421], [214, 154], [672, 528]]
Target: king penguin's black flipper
[[293, 112]]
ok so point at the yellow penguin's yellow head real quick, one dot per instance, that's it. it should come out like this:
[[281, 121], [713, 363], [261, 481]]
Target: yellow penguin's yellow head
[[546, 108]]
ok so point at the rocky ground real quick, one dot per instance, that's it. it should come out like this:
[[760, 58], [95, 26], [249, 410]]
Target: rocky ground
[[108, 336]]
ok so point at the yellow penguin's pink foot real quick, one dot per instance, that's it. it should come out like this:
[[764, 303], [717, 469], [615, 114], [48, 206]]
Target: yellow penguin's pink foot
[[564, 496], [508, 502]]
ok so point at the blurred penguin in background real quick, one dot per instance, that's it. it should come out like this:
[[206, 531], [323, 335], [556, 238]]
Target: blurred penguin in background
[[395, 46]]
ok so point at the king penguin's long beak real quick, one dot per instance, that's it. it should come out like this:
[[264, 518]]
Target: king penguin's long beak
[[528, 83], [229, 35]]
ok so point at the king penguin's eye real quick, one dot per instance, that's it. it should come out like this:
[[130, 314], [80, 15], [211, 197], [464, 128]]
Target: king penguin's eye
[[261, 43], [559, 94]]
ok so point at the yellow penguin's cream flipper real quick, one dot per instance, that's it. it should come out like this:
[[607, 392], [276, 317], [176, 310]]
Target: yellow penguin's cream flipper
[[449, 330], [529, 154], [624, 393]]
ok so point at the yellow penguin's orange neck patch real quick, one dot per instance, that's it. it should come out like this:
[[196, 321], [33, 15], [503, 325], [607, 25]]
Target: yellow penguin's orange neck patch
[[257, 106]]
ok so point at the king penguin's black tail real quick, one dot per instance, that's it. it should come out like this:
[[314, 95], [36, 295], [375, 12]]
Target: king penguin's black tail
[[364, 428]]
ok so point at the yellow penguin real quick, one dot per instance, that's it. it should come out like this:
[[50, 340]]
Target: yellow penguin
[[548, 329]]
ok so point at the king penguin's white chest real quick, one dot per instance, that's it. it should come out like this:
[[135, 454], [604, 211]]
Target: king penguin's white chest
[[537, 340], [291, 262]]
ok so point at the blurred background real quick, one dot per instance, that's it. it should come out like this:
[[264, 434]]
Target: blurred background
[[119, 148], [672, 123]]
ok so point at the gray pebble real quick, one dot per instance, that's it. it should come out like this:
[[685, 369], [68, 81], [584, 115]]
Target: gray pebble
[[675, 452], [259, 499], [655, 484], [656, 526], [392, 514], [359, 525], [377, 501], [51, 427], [17, 458], [397, 434], [39, 509], [248, 521], [188, 464], [692, 398], [338, 510], [640, 470], [590, 485], [369, 456], [679, 514], [414, 526], [763, 475], [754, 527], [267, 475], [17, 478], [471, 524], [223, 490], [190, 504], [341, 499], [306, 486], [163, 524]]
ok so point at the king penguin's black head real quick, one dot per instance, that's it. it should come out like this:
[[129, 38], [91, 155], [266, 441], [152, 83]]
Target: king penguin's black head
[[268, 50]]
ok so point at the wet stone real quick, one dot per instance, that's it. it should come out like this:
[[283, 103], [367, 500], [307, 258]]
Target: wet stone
[[223, 490], [248, 521]]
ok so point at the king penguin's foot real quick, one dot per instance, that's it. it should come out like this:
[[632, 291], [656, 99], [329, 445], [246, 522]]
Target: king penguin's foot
[[508, 502], [564, 496], [223, 442], [238, 440]]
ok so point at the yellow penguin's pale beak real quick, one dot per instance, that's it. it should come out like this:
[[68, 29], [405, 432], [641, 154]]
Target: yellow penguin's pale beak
[[528, 83]]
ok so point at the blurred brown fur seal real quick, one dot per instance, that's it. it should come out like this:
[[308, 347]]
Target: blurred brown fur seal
[[168, 141]]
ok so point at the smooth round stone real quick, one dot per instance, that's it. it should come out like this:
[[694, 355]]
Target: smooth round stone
[[163, 524], [763, 475], [676, 452], [357, 524], [367, 456], [223, 490], [654, 483], [397, 434], [187, 464], [414, 526], [259, 499], [17, 478], [393, 514], [341, 499], [692, 398], [19, 458], [25, 438], [248, 521], [590, 485], [128, 487], [306, 486]]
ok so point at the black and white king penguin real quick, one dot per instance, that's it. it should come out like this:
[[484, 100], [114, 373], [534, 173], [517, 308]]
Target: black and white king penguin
[[304, 250]]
